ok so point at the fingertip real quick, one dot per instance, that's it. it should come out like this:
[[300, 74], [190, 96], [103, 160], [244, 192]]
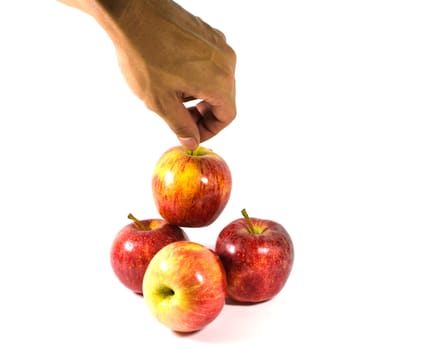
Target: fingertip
[[188, 142]]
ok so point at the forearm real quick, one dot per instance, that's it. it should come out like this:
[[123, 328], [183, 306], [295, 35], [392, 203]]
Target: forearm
[[106, 12], [94, 7]]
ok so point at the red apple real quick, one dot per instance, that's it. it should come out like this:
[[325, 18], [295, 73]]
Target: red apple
[[191, 187], [185, 286], [257, 255], [136, 244]]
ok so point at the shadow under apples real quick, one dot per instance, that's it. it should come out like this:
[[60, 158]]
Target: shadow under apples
[[230, 301], [237, 321], [186, 334]]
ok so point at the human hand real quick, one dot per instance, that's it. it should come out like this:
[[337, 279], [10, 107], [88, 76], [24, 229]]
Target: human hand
[[168, 56]]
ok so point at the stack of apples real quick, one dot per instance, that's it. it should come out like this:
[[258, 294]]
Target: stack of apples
[[186, 284]]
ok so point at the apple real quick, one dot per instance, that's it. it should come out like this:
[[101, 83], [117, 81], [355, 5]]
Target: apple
[[191, 187], [257, 255], [134, 246], [185, 286]]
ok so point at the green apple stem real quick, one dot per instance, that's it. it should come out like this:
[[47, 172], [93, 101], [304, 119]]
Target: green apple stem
[[136, 221], [249, 221], [199, 151]]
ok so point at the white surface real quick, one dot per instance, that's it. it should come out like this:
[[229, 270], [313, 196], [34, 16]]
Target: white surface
[[330, 140]]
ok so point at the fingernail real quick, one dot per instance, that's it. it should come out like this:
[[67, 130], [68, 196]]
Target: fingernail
[[188, 142]]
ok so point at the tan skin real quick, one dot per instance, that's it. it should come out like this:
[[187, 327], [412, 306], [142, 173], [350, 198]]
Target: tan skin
[[168, 56]]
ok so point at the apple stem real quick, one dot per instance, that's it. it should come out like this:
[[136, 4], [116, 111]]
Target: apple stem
[[136, 222], [196, 152], [191, 152], [249, 221]]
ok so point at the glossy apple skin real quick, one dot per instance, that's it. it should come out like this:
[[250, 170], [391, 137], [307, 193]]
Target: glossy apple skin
[[132, 249], [185, 286], [257, 265], [191, 190]]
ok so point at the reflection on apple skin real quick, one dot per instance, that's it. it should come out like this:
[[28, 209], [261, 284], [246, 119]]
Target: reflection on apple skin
[[258, 258], [191, 189], [185, 286], [134, 246]]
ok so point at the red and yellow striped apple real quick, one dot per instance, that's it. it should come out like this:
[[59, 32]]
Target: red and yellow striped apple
[[257, 255], [185, 286], [134, 246], [191, 187]]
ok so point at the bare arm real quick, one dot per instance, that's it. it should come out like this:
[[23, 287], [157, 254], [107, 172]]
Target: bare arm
[[168, 56]]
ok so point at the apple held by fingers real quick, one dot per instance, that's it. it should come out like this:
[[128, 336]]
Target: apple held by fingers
[[136, 244], [257, 255], [185, 286], [191, 187]]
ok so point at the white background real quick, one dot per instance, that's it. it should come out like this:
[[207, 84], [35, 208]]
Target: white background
[[330, 140]]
